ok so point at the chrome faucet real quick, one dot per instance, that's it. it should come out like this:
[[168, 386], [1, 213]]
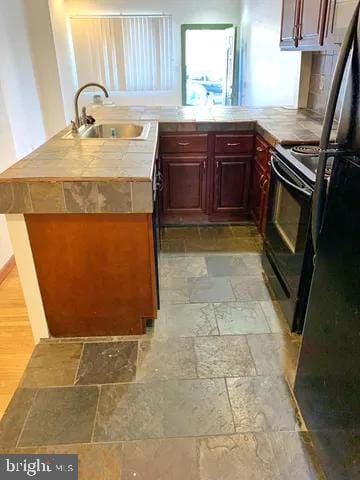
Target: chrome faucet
[[78, 122]]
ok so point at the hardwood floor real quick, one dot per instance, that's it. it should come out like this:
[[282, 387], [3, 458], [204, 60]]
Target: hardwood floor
[[16, 341]]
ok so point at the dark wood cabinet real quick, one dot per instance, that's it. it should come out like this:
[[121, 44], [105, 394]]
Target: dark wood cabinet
[[176, 143], [255, 193], [209, 186], [311, 26], [289, 23], [231, 184], [184, 184], [105, 283], [234, 143], [260, 183], [339, 13]]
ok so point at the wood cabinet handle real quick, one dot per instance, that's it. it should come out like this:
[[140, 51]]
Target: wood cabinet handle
[[204, 165], [183, 144], [261, 181], [294, 33], [233, 144], [159, 181], [217, 164]]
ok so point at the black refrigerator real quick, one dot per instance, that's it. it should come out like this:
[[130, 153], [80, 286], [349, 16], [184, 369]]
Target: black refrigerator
[[327, 385]]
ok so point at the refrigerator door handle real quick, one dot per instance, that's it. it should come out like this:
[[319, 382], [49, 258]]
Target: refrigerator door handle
[[319, 196]]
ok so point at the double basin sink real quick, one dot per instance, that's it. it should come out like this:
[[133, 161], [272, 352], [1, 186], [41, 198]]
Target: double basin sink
[[122, 131]]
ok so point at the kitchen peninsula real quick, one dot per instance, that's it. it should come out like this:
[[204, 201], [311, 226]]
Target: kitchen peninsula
[[89, 201]]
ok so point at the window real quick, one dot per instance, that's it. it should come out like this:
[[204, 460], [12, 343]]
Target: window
[[131, 53]]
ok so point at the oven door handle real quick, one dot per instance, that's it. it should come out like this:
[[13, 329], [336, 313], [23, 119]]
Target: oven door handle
[[304, 190]]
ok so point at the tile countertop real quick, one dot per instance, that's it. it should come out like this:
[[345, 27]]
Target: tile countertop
[[115, 176]]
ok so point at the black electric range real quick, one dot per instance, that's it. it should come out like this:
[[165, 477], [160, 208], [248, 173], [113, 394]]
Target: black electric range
[[288, 251], [304, 160]]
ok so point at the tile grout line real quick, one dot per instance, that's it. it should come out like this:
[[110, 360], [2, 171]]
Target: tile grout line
[[151, 337], [196, 358], [154, 380], [266, 317], [26, 419], [183, 437], [137, 360], [231, 408], [252, 356], [197, 441], [96, 414], [80, 359], [109, 339], [217, 323]]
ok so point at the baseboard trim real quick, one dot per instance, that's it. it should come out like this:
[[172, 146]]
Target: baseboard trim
[[6, 269]]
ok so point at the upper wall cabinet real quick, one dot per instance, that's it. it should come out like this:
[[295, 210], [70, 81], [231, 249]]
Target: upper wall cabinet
[[339, 13], [312, 14], [289, 22], [303, 24], [311, 24]]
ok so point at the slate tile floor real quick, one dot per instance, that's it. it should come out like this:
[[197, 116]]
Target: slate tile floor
[[205, 395]]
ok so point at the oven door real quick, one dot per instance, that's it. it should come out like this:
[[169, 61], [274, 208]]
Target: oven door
[[287, 234]]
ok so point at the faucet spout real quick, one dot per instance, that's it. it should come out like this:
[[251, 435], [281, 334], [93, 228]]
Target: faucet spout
[[76, 99]]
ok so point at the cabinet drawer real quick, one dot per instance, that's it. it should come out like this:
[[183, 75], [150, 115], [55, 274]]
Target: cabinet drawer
[[234, 143], [261, 153], [184, 143]]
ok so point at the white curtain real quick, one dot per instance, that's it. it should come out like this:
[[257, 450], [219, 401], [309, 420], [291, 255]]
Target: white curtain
[[124, 53]]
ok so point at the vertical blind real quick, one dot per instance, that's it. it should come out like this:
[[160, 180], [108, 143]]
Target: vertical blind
[[132, 53]]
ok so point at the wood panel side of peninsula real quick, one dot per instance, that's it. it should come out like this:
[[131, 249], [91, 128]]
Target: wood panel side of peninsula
[[96, 272]]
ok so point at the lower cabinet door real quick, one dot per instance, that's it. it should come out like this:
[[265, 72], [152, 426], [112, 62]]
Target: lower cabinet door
[[256, 194], [231, 182], [184, 184]]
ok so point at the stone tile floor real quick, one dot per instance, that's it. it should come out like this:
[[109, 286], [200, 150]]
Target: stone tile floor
[[205, 395]]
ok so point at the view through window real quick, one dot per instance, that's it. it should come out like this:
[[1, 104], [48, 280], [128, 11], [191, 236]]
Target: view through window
[[208, 65], [126, 53]]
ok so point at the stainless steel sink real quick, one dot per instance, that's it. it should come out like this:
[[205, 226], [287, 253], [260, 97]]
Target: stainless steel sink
[[123, 131]]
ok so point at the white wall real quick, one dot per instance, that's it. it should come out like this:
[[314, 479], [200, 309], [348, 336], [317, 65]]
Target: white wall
[[31, 106], [271, 77], [7, 158], [21, 123], [183, 11], [18, 80], [45, 66], [28, 76], [61, 31]]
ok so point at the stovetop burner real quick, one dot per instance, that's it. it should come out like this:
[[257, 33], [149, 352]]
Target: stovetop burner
[[311, 150], [304, 159]]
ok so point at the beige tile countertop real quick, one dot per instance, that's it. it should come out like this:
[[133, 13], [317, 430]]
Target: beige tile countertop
[[82, 175]]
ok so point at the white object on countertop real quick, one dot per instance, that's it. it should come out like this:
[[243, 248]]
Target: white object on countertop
[[108, 103]]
